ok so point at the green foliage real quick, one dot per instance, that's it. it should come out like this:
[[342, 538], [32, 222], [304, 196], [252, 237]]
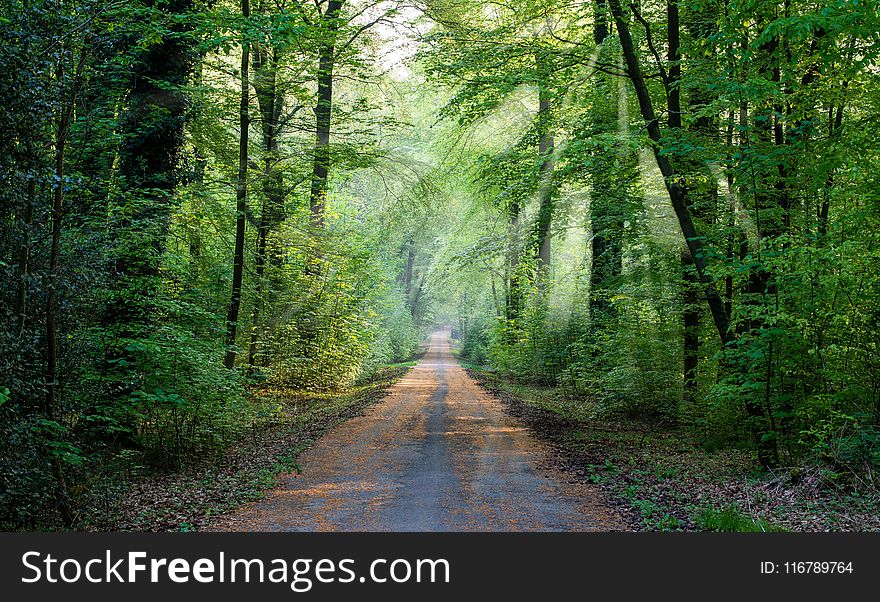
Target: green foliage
[[730, 519], [25, 474], [400, 337], [654, 516], [475, 342]]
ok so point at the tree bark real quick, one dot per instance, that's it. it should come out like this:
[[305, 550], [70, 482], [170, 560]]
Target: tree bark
[[56, 215], [241, 192], [324, 115], [545, 221], [408, 270], [608, 194], [24, 253], [690, 312], [259, 267], [835, 121], [600, 20], [691, 326], [514, 284], [270, 100], [545, 185], [152, 132]]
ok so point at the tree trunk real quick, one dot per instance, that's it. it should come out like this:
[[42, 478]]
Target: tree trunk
[[241, 191], [323, 116], [24, 254], [608, 194], [691, 326], [835, 121], [702, 190], [152, 132], [408, 270], [690, 311], [270, 100], [260, 266], [56, 216], [514, 284], [600, 22], [545, 186]]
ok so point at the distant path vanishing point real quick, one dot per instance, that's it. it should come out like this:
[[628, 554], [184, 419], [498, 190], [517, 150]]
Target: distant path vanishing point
[[438, 453]]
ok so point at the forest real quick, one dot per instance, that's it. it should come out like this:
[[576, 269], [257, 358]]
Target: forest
[[659, 216]]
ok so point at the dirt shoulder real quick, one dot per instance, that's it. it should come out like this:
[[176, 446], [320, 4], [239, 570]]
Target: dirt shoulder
[[663, 481]]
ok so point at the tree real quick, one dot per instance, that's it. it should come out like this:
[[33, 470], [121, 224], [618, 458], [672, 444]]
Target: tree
[[241, 194]]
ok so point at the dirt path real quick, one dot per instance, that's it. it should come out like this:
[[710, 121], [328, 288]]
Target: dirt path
[[437, 454]]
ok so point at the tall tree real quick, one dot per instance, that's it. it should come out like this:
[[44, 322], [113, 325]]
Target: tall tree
[[270, 98], [65, 112], [152, 139], [546, 189], [241, 192], [613, 179], [330, 22]]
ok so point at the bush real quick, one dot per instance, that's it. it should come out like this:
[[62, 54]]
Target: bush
[[476, 342]]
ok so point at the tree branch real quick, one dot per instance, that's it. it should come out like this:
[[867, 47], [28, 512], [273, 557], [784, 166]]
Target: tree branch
[[663, 76]]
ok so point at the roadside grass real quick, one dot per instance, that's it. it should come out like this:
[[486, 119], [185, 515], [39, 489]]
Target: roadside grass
[[456, 353], [730, 519], [410, 363], [663, 479], [469, 366]]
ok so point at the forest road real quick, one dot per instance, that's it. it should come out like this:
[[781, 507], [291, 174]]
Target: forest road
[[438, 453]]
